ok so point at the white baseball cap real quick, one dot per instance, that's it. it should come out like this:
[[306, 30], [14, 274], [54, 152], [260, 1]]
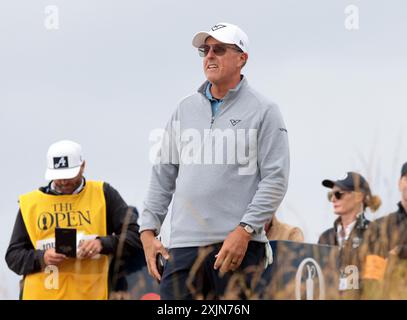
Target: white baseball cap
[[64, 160], [223, 32]]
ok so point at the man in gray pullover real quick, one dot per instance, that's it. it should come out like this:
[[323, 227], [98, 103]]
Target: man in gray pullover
[[224, 162]]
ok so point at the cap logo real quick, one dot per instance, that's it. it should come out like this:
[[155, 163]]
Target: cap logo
[[61, 162], [241, 43], [344, 176], [217, 27]]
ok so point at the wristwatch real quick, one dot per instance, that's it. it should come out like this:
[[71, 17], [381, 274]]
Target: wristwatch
[[247, 227]]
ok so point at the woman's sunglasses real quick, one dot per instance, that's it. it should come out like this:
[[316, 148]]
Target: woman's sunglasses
[[337, 194], [218, 49]]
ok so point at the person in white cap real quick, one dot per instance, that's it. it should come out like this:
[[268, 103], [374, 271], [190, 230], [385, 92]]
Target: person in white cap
[[220, 207], [97, 212]]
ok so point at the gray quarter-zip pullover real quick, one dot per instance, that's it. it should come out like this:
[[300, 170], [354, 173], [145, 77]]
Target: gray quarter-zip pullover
[[219, 171]]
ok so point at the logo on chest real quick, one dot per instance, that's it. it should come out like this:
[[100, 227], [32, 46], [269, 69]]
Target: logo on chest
[[63, 215], [234, 122]]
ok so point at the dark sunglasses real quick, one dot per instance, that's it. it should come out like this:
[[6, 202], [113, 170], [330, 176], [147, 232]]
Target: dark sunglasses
[[337, 194], [218, 49]]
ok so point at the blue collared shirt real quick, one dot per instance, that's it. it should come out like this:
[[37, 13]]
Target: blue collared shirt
[[215, 103]]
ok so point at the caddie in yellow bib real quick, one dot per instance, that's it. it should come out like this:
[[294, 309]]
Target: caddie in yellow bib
[[73, 278], [93, 208]]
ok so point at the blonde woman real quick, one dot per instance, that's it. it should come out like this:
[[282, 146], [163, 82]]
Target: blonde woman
[[350, 198]]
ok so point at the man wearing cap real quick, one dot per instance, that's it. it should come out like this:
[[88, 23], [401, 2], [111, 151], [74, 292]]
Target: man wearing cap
[[223, 192], [393, 227], [388, 251], [97, 212]]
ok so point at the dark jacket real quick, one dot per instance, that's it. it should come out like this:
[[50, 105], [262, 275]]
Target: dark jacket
[[351, 247], [23, 258], [352, 252], [387, 280], [392, 232]]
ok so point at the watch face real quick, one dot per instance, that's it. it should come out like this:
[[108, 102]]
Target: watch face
[[249, 229]]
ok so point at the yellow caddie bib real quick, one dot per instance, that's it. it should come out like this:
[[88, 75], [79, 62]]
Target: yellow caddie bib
[[78, 279]]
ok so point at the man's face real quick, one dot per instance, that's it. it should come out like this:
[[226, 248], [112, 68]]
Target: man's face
[[403, 190], [220, 70], [68, 186]]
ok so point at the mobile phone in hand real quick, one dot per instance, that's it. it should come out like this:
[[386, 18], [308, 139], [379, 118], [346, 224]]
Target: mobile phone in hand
[[159, 260], [65, 241]]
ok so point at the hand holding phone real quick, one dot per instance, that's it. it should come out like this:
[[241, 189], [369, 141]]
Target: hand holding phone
[[65, 241], [159, 260]]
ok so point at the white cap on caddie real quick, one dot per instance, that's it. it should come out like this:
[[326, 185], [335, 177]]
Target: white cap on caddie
[[64, 160], [223, 32]]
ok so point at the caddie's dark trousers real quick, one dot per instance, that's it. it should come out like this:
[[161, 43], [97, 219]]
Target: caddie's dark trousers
[[190, 274]]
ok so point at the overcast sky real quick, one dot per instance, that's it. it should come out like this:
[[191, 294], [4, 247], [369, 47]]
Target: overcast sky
[[115, 70]]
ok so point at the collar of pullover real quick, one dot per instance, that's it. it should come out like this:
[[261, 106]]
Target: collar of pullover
[[232, 93]]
